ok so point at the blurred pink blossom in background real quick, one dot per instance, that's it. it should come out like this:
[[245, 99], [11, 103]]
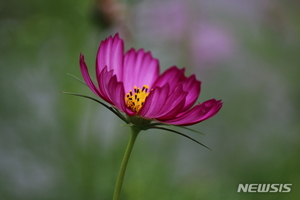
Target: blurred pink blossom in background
[[211, 44], [161, 19], [175, 25]]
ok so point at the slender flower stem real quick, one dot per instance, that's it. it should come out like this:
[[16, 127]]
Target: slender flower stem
[[134, 133]]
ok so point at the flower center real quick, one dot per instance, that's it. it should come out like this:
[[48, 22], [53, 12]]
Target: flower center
[[135, 99]]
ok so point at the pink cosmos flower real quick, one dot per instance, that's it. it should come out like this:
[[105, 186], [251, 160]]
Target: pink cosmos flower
[[132, 84]]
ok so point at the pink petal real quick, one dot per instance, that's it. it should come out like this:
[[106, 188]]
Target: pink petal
[[116, 93], [193, 87], [110, 54], [197, 114], [129, 112], [173, 75], [86, 76], [154, 102], [174, 104], [112, 91], [140, 68], [103, 80]]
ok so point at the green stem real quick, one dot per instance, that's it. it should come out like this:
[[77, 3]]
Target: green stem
[[134, 133]]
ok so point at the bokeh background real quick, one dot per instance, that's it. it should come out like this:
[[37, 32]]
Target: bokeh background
[[55, 146]]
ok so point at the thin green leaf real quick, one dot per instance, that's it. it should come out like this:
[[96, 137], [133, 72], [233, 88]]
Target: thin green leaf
[[127, 125], [103, 104], [156, 124], [166, 129], [172, 125], [78, 79], [159, 124], [189, 129]]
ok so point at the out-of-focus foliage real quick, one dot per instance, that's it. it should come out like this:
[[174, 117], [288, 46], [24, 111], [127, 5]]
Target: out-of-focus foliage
[[54, 146]]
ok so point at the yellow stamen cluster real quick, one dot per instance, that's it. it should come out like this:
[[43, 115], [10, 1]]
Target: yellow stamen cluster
[[135, 99]]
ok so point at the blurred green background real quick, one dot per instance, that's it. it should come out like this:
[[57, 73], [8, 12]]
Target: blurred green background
[[55, 146]]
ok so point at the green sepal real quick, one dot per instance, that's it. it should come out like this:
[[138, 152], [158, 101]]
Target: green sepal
[[78, 79], [115, 111]]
